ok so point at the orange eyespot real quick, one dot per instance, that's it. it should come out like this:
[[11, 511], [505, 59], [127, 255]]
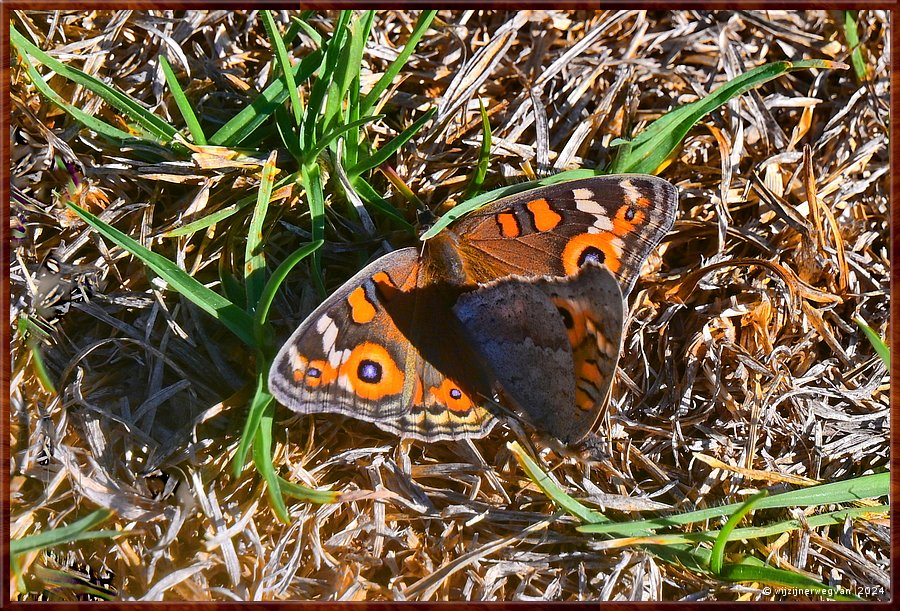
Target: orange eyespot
[[598, 247], [573, 320], [450, 394], [299, 364], [372, 372], [627, 218], [317, 373]]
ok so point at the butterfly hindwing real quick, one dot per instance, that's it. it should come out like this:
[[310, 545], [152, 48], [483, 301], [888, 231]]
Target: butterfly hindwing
[[552, 344]]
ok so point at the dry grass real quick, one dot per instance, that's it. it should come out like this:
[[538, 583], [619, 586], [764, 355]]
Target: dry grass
[[741, 346]]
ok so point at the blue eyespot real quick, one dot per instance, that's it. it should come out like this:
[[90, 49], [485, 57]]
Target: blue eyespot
[[592, 254], [369, 371]]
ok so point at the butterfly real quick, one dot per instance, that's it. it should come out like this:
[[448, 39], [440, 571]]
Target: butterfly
[[520, 302]]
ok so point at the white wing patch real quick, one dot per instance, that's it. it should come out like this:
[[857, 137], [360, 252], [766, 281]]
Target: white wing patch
[[632, 195], [585, 202]]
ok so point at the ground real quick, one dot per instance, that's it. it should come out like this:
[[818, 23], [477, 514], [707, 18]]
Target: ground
[[743, 367]]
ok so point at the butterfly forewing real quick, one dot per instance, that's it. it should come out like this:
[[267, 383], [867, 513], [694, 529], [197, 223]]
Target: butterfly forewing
[[554, 230]]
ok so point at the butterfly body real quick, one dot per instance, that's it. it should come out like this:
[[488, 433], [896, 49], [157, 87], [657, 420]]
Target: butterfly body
[[521, 300]]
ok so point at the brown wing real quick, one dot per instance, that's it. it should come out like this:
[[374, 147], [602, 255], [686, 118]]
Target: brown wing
[[551, 343], [615, 220], [385, 348]]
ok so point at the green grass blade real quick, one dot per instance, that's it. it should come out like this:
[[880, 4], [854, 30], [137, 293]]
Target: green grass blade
[[881, 348], [262, 458], [313, 118], [386, 151], [232, 288], [235, 319], [33, 334], [652, 146], [209, 220], [184, 105], [293, 29], [278, 276], [254, 257], [218, 216], [350, 62], [40, 368], [338, 131], [387, 78], [288, 133], [865, 487], [248, 120], [101, 127], [155, 126], [258, 406], [287, 72], [76, 531], [717, 557], [779, 577], [52, 579], [748, 569], [348, 155], [331, 115], [852, 34], [368, 193], [300, 23], [552, 490], [320, 497], [311, 177], [747, 532], [484, 155]]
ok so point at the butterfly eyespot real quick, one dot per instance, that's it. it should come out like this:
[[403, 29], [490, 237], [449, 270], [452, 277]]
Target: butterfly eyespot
[[449, 395], [566, 315], [627, 219], [316, 373], [369, 371], [598, 248], [591, 255]]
